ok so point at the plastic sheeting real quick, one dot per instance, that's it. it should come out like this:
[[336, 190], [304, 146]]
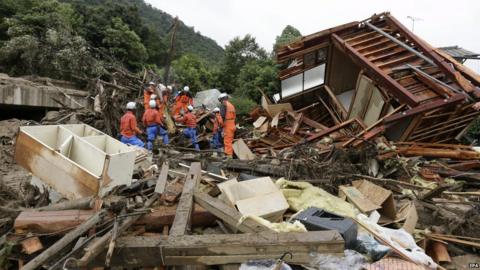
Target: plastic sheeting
[[209, 98]]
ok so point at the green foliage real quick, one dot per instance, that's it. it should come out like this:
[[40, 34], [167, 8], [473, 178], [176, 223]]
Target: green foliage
[[40, 41], [192, 71], [288, 35], [238, 53], [37, 36], [124, 44], [260, 74], [243, 105], [473, 132]]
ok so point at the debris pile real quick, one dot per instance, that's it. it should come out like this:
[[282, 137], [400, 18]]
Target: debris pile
[[356, 167]]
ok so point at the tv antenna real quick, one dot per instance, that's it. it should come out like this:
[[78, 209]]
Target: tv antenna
[[414, 19]]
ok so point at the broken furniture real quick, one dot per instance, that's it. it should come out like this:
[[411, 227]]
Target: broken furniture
[[75, 160], [256, 197]]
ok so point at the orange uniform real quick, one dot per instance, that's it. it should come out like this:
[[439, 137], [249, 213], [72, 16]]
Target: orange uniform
[[189, 119], [181, 102], [128, 125], [163, 103], [151, 117], [229, 127], [217, 122], [146, 98]]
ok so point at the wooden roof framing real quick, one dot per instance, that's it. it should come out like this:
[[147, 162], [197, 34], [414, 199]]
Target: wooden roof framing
[[410, 71]]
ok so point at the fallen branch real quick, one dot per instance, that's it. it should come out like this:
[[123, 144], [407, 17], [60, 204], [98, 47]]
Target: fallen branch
[[62, 243]]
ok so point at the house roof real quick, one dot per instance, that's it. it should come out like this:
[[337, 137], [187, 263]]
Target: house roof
[[459, 52]]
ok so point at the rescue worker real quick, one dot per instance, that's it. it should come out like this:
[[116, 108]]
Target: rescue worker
[[147, 93], [128, 127], [183, 100], [228, 116], [217, 120], [151, 121], [164, 99], [190, 120]]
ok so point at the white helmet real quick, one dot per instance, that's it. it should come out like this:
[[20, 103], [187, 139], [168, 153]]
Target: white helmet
[[152, 104], [222, 96], [153, 97], [216, 109], [186, 88], [190, 107], [151, 83], [131, 105]]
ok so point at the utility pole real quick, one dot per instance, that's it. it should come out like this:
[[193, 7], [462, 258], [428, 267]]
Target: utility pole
[[171, 52], [413, 21]]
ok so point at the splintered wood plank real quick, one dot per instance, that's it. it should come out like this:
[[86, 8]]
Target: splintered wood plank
[[218, 249], [185, 204], [227, 213], [31, 245], [162, 179]]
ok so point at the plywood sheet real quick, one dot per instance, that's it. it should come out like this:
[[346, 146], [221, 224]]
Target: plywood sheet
[[374, 108], [354, 196], [242, 151], [362, 96]]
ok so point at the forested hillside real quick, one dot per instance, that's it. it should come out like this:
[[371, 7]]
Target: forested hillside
[[79, 40], [62, 38]]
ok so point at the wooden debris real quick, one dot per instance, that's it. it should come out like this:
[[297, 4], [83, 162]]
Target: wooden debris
[[66, 240], [31, 245], [227, 213], [223, 248], [242, 151], [184, 209]]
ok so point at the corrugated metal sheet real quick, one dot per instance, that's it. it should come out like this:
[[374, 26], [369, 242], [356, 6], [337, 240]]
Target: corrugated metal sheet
[[459, 52]]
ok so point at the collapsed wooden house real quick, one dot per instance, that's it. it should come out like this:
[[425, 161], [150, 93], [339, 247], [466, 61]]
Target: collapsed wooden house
[[377, 74]]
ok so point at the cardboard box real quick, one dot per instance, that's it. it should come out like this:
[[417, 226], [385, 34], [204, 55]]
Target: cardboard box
[[256, 197], [378, 196]]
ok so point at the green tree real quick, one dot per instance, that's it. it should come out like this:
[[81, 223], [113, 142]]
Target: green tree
[[192, 71], [260, 74], [41, 42], [288, 35], [124, 44], [238, 53]]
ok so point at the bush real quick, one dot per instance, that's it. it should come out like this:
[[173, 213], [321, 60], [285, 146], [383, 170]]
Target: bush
[[243, 106]]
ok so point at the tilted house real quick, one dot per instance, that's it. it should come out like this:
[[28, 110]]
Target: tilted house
[[385, 78]]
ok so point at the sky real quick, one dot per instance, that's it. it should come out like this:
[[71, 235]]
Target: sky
[[441, 23]]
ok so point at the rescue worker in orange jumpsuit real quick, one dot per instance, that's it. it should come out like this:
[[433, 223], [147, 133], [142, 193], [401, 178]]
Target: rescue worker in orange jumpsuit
[[228, 114], [182, 101], [165, 92], [147, 93], [153, 123], [216, 118], [128, 127], [190, 120]]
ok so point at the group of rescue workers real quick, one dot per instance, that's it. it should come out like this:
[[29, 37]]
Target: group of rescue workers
[[182, 111]]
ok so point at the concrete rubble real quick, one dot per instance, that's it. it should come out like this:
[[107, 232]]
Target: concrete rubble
[[359, 166]]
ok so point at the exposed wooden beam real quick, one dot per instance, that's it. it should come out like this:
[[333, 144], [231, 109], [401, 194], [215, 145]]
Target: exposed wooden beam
[[227, 213], [222, 249], [185, 204], [426, 107], [162, 179], [375, 73]]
